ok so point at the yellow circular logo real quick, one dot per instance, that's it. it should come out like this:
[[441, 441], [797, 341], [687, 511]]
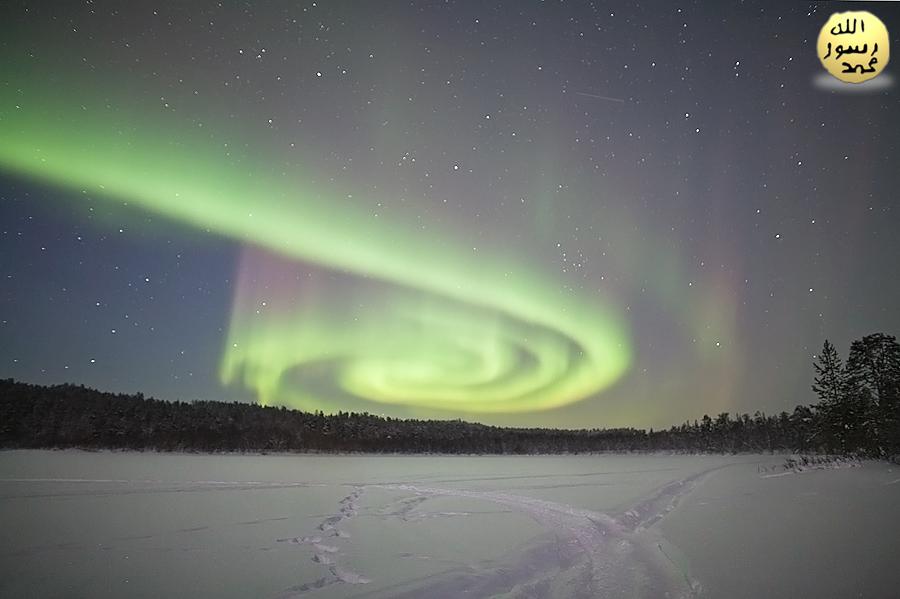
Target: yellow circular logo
[[853, 46]]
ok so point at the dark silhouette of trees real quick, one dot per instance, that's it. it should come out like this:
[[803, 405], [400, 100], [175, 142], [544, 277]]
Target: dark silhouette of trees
[[859, 405], [830, 380], [873, 387], [840, 419], [858, 413]]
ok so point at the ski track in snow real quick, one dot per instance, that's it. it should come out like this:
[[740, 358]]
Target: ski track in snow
[[585, 554], [326, 554]]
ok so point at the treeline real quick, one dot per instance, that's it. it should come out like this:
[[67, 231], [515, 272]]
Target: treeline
[[33, 416], [859, 413]]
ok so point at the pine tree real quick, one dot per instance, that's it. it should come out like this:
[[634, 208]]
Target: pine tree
[[830, 384], [830, 379]]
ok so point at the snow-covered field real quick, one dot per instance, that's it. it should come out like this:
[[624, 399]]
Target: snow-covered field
[[77, 524]]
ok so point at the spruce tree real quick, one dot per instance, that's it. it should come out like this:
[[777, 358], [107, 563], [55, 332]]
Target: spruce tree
[[830, 384], [829, 381]]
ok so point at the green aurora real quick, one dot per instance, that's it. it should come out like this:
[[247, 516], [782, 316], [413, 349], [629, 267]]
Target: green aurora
[[396, 315]]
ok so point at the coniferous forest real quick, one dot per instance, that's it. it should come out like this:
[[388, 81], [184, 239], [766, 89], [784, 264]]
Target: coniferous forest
[[858, 413]]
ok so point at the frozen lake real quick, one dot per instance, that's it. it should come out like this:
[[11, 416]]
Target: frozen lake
[[79, 524]]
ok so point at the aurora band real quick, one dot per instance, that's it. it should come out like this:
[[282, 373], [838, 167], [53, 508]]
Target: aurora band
[[455, 330]]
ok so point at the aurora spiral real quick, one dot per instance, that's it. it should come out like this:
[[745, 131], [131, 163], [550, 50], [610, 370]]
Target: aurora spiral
[[332, 308]]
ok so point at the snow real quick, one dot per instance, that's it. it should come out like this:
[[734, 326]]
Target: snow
[[106, 524]]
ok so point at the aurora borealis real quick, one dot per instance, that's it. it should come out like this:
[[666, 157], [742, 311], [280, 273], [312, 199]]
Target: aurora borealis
[[458, 331], [438, 210]]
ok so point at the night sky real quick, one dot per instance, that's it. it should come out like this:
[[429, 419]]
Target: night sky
[[521, 213]]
